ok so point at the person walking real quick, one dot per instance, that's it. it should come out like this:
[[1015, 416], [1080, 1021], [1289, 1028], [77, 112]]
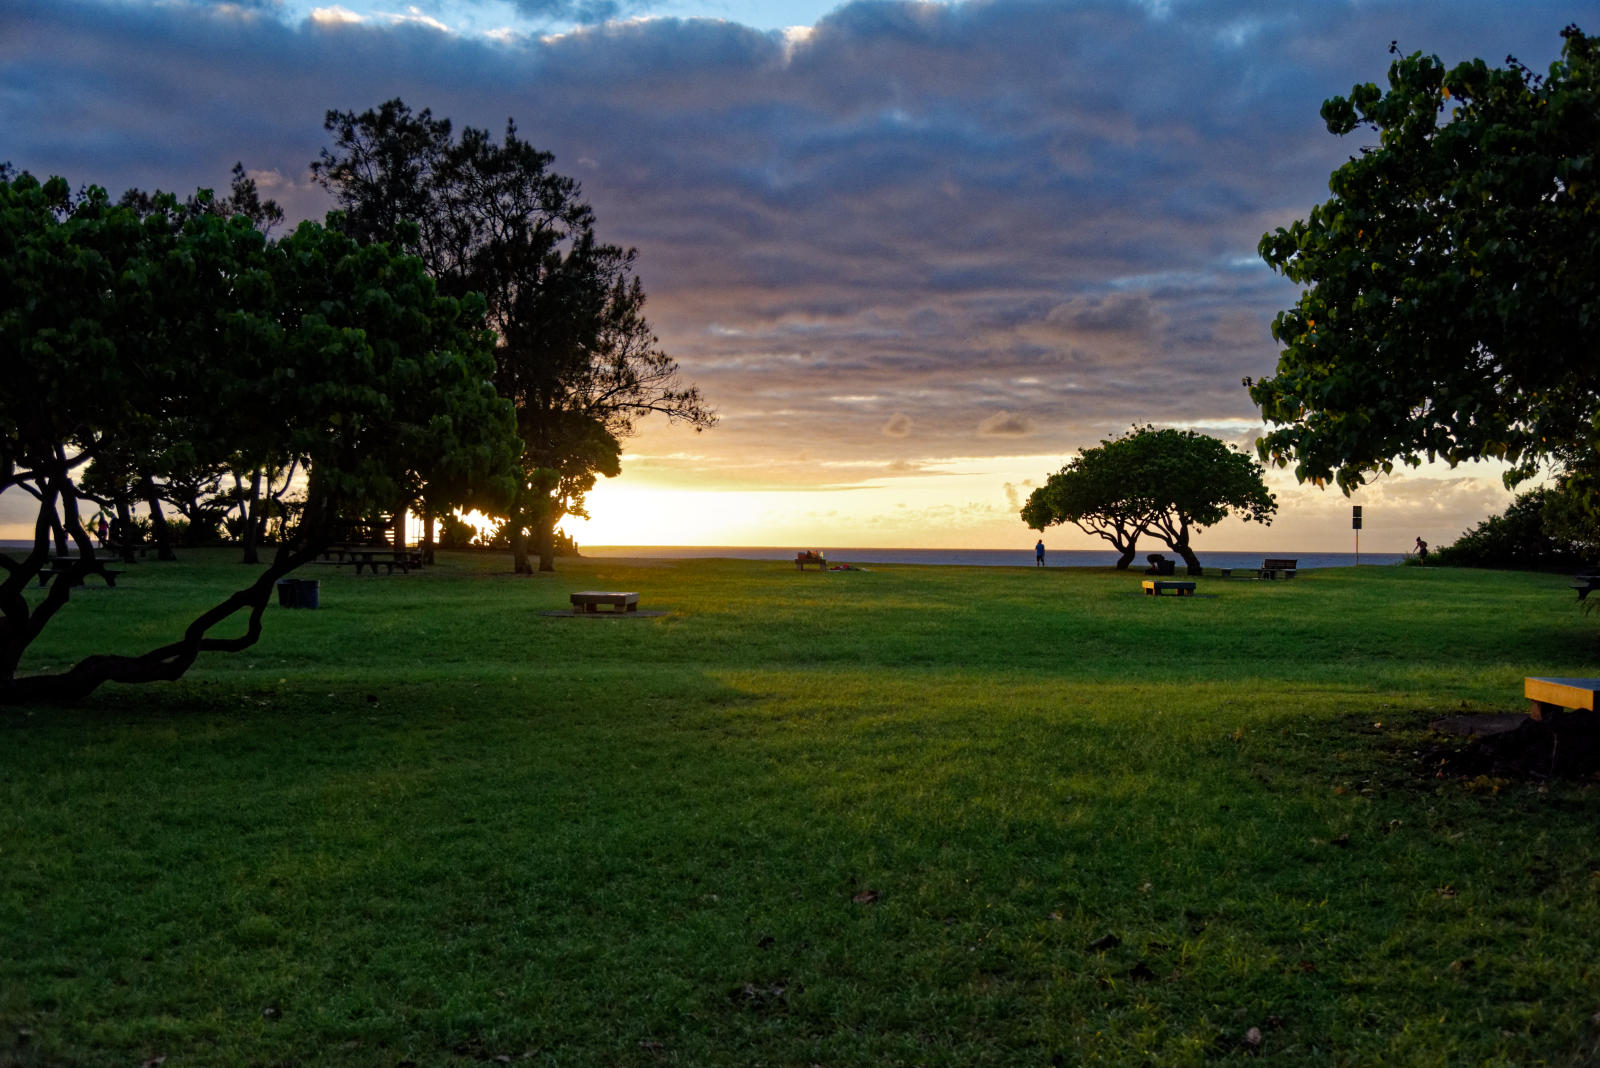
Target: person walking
[[1422, 551], [1038, 554]]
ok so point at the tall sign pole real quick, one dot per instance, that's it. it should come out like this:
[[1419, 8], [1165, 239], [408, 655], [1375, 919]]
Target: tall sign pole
[[1355, 525]]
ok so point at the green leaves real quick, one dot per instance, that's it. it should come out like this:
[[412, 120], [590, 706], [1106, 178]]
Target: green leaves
[[1451, 248]]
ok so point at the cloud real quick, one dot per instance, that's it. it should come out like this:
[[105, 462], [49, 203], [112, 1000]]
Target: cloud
[[965, 211], [1005, 425]]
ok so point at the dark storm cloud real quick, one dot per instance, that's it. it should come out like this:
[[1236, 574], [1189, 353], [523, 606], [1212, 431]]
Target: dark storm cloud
[[938, 213]]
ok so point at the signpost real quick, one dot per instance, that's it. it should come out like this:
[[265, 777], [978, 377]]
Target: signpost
[[1355, 525]]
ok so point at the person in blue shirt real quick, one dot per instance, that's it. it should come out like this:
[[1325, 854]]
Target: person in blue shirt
[[1038, 553]]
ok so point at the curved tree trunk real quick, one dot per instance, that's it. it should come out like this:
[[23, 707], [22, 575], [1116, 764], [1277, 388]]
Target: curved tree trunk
[[1127, 555], [168, 662]]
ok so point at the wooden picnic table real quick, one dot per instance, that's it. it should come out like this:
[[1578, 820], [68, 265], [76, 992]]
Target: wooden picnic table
[[374, 558]]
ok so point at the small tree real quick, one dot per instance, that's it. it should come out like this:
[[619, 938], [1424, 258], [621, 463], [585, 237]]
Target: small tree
[[1452, 300], [121, 329], [1170, 483]]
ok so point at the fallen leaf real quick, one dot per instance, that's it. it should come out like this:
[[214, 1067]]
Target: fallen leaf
[[1252, 1039], [1446, 891], [866, 897]]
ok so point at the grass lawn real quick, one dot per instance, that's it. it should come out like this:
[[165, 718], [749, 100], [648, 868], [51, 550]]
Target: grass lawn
[[914, 815]]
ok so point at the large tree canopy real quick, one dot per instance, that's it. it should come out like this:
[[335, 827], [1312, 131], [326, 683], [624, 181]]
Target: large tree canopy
[[1452, 307], [1170, 483], [161, 338], [575, 354]]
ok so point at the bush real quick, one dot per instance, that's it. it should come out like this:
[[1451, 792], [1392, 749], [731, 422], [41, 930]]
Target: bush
[[1520, 538]]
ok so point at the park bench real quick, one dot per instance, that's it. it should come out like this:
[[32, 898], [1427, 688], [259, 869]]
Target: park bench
[[810, 557], [62, 565], [1585, 584], [1548, 695], [591, 600], [1156, 587], [1271, 568]]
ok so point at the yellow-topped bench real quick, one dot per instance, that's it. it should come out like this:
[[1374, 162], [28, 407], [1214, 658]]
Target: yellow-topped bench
[[1547, 695], [1156, 587]]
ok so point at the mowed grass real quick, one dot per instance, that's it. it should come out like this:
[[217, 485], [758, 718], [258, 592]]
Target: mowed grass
[[913, 815]]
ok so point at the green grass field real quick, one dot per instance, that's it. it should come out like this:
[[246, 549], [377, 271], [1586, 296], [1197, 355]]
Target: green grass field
[[913, 815]]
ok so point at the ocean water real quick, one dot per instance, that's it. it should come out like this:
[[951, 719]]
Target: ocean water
[[983, 557]]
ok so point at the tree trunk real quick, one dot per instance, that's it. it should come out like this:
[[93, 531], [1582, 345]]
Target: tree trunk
[[124, 543], [545, 533], [427, 535], [250, 528], [158, 522], [1127, 555]]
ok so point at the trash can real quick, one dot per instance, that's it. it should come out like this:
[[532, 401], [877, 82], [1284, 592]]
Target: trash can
[[289, 593], [307, 592]]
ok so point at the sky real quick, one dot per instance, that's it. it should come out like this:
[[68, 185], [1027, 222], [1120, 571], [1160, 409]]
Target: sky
[[915, 254]]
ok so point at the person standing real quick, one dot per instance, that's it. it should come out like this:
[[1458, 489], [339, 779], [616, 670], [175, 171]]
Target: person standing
[[1038, 554], [1422, 551]]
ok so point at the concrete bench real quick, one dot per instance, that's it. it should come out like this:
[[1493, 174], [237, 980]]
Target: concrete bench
[[591, 600], [1156, 587], [1549, 695]]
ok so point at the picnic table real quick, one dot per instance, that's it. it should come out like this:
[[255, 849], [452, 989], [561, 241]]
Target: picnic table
[[63, 565], [373, 557], [591, 600]]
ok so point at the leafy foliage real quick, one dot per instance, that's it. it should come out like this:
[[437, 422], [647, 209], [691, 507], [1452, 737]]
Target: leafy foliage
[[1169, 483], [575, 354], [164, 339], [1452, 280], [1533, 532]]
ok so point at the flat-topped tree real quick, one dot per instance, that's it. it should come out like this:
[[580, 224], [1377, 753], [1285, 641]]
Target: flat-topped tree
[[1170, 483], [1091, 493], [122, 332], [574, 353], [1451, 307]]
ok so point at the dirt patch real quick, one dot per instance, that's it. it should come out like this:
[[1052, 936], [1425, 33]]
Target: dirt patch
[[1513, 746]]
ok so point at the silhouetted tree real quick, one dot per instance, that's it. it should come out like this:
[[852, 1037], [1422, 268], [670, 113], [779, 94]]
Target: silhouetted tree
[[575, 354]]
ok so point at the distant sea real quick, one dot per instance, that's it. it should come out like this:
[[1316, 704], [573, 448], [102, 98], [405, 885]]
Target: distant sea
[[981, 557]]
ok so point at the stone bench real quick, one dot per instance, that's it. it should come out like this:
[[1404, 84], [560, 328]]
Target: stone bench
[[591, 600]]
